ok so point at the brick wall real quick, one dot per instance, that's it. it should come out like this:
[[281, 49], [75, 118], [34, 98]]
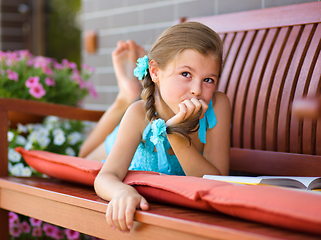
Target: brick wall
[[143, 21]]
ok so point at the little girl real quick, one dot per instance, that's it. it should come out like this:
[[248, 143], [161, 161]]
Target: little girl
[[182, 125]]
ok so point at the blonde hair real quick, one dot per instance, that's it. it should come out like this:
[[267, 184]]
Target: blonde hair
[[174, 40]]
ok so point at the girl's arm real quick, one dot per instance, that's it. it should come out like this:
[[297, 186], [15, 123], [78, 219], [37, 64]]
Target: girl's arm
[[215, 158], [108, 184]]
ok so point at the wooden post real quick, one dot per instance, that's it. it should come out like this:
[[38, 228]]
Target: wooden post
[[4, 217], [38, 28]]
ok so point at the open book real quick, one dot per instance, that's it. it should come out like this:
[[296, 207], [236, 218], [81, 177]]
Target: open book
[[307, 183]]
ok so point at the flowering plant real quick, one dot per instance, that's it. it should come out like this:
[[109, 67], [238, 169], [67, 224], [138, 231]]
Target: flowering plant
[[54, 135], [44, 79], [22, 227]]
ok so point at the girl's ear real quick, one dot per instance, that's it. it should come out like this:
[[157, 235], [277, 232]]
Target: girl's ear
[[154, 71]]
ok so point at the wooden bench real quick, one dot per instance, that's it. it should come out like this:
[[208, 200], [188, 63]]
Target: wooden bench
[[272, 57]]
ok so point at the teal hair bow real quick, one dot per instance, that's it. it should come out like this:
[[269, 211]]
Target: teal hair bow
[[159, 135], [142, 66]]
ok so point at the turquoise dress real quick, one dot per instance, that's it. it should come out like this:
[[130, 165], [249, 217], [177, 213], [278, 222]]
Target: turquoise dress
[[146, 158]]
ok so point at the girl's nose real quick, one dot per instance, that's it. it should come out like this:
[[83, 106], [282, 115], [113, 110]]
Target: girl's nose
[[196, 88]]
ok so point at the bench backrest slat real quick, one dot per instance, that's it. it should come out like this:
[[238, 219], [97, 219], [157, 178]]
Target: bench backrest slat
[[264, 70], [275, 17]]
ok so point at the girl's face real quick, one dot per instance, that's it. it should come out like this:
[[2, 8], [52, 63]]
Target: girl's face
[[190, 75]]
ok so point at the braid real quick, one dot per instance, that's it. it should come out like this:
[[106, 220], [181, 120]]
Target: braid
[[148, 96], [187, 127]]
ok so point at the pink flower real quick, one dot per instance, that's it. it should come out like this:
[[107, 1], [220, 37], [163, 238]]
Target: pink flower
[[25, 227], [15, 231], [24, 54], [47, 70], [58, 233], [71, 234], [3, 55], [11, 58], [76, 76], [35, 222], [32, 81], [13, 219], [72, 65], [50, 81], [58, 66], [92, 90], [37, 91], [37, 232], [12, 75], [49, 229], [41, 62], [88, 68]]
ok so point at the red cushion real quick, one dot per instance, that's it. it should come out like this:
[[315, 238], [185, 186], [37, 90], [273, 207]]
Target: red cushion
[[292, 209], [63, 167], [288, 208]]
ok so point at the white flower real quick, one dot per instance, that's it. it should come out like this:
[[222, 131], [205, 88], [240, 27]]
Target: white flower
[[28, 146], [26, 172], [10, 136], [13, 156], [21, 128], [16, 170], [21, 140], [29, 127], [69, 151], [43, 141], [43, 132], [67, 125], [9, 166], [58, 131], [37, 126], [50, 126], [59, 139], [74, 137], [33, 136], [52, 119]]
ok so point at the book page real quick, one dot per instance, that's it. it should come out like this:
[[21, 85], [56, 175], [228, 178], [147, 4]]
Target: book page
[[235, 179]]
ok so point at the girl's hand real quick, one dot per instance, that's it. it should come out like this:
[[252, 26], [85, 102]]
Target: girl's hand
[[121, 209], [188, 108]]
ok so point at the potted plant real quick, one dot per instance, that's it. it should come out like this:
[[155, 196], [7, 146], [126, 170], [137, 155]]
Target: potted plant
[[43, 79]]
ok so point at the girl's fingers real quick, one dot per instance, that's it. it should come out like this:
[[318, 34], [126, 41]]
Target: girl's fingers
[[179, 117], [204, 107], [198, 105], [115, 216], [190, 108], [130, 211], [109, 216], [144, 204], [123, 218], [187, 109]]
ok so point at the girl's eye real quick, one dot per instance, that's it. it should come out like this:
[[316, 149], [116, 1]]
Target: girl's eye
[[186, 74], [209, 80]]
